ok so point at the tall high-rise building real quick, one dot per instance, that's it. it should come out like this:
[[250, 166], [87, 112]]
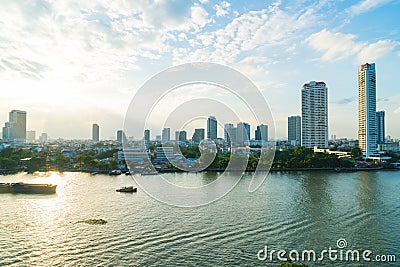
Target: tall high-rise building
[[121, 137], [15, 129], [166, 135], [314, 115], [294, 130], [182, 137], [147, 135], [95, 132], [198, 135], [43, 138], [212, 128], [261, 133], [380, 126], [242, 133], [367, 134], [228, 128], [30, 136]]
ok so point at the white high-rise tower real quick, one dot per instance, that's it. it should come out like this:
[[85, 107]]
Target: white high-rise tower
[[314, 115], [367, 132]]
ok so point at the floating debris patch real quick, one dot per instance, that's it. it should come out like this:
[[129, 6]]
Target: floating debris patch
[[93, 221]]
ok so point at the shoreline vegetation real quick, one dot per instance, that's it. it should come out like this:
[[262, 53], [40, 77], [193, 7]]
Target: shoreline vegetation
[[14, 160]]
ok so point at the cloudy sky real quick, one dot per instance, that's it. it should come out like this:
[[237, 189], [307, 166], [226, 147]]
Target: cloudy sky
[[72, 63]]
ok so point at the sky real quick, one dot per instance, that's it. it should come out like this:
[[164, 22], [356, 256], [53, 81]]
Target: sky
[[73, 63]]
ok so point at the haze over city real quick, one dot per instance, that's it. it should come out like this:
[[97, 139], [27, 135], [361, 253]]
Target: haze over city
[[73, 64]]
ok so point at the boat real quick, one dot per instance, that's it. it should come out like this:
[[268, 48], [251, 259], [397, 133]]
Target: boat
[[127, 189], [26, 188], [94, 173], [5, 188], [115, 172], [149, 173]]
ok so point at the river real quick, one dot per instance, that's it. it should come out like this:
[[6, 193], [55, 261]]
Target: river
[[290, 211]]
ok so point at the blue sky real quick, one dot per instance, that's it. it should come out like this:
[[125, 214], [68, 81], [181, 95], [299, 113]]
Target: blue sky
[[71, 63]]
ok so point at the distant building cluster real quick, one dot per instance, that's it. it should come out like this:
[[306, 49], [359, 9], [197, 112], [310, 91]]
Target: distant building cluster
[[309, 129], [239, 135]]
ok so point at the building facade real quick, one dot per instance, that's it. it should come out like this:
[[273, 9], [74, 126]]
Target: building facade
[[15, 129], [121, 137], [314, 115], [147, 135], [198, 135], [261, 133], [380, 126], [95, 132], [212, 128], [367, 133], [242, 133], [166, 135], [294, 130], [228, 129], [30, 136]]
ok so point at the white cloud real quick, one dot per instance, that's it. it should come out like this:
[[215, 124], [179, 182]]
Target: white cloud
[[335, 46], [339, 46], [199, 17], [376, 50], [366, 6], [222, 9]]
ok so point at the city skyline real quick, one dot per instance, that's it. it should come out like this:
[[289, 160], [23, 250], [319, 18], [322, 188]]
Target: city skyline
[[99, 54]]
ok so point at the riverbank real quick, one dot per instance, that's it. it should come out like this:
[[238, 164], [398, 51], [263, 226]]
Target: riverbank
[[172, 170]]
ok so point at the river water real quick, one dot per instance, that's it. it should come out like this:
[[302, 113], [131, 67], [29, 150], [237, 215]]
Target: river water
[[290, 211]]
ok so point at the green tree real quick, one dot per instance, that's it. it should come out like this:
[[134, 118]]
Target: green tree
[[355, 153], [8, 164], [61, 161], [36, 163]]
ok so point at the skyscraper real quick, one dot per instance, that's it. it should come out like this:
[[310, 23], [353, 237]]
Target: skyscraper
[[380, 126], [242, 133], [147, 135], [30, 136], [95, 132], [261, 133], [314, 115], [121, 137], [228, 128], [212, 128], [182, 136], [294, 130], [166, 135], [367, 133], [43, 138], [15, 129], [198, 135]]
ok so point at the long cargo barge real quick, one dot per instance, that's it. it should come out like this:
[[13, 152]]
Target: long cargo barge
[[27, 188]]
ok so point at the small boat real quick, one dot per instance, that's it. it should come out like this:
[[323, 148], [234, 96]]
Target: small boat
[[5, 188], [115, 172], [127, 189], [149, 173], [94, 173], [25, 188]]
